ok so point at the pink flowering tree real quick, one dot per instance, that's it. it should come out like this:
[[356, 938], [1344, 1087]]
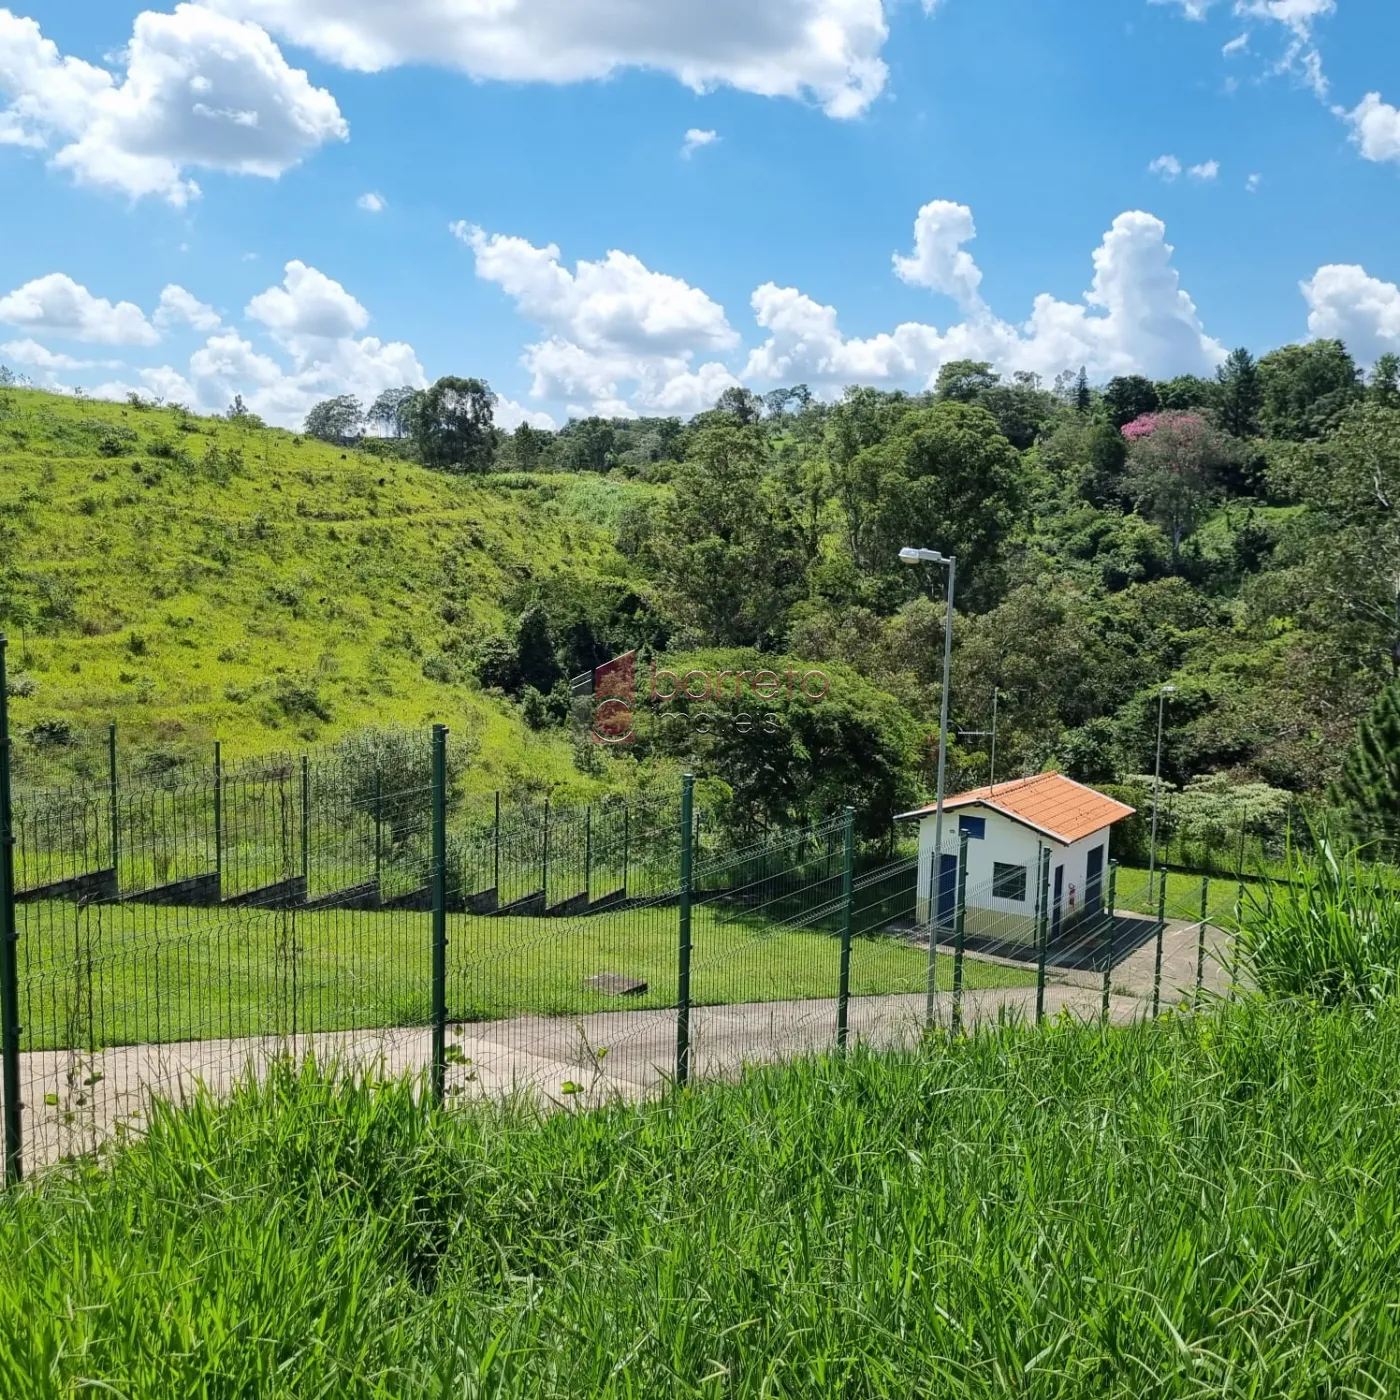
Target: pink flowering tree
[[1174, 462]]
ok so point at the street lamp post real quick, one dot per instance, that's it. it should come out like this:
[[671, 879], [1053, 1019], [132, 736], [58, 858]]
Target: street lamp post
[[915, 557], [1157, 787]]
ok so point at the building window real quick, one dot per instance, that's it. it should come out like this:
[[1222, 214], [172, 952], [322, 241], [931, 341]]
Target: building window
[[974, 827], [1009, 882]]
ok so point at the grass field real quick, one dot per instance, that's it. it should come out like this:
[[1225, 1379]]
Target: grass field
[[192, 579], [1183, 895], [126, 974], [1205, 1207]]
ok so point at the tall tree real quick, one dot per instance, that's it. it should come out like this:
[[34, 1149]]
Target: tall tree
[[1083, 399], [452, 425], [1185, 392], [536, 661], [1307, 389], [1173, 466], [393, 411], [335, 420], [740, 403], [1129, 396], [963, 380], [946, 479], [726, 549], [1384, 384], [588, 445], [530, 446], [1241, 395], [1348, 548], [1369, 783]]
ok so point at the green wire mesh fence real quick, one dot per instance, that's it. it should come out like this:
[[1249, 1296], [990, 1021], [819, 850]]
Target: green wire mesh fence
[[164, 930]]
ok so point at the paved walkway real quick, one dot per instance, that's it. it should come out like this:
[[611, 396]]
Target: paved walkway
[[75, 1102]]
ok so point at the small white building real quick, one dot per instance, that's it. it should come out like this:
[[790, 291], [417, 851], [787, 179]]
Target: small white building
[[1012, 828]]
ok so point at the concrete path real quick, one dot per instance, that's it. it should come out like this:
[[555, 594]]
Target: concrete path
[[76, 1103]]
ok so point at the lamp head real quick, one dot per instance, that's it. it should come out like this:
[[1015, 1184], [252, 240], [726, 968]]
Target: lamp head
[[1168, 690], [909, 556]]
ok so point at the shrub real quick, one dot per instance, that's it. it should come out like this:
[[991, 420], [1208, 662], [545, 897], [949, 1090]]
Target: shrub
[[299, 698], [53, 732], [116, 442], [1328, 930]]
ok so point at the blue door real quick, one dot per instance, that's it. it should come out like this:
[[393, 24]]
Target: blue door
[[1057, 906], [947, 890], [1093, 883]]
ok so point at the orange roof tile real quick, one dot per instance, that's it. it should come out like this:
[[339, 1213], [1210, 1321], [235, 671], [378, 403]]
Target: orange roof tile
[[1059, 807]]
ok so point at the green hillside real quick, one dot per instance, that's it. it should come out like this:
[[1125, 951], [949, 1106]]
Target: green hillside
[[195, 578]]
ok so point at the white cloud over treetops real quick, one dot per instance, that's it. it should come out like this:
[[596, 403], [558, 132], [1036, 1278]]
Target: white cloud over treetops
[[200, 90], [1346, 303], [608, 325], [824, 50], [1135, 318], [620, 338]]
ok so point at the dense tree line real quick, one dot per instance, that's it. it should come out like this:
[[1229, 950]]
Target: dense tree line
[[1234, 536]]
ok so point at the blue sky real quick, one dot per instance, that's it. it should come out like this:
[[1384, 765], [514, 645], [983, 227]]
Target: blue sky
[[181, 192]]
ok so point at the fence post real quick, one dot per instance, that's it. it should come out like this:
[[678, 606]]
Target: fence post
[[218, 815], [1112, 935], [1043, 936], [115, 810], [588, 853], [439, 1065], [496, 855], [9, 940], [1201, 944], [683, 970], [379, 831], [1161, 938], [960, 933], [848, 908], [306, 826], [544, 860], [626, 841]]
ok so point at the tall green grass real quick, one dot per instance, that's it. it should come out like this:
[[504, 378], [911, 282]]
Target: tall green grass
[[1329, 928], [1202, 1207]]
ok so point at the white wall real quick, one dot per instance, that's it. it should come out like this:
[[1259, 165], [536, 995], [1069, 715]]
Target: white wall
[[1009, 843]]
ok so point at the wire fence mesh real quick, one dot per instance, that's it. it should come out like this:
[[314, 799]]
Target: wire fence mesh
[[356, 904]]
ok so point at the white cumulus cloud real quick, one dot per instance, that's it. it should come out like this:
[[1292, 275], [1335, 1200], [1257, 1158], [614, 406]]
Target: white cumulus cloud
[[1346, 303], [1375, 127], [57, 305], [372, 203], [30, 352], [308, 305], [1135, 318], [695, 139], [608, 324], [824, 50], [178, 307], [200, 90], [1168, 167], [939, 260], [510, 415], [1206, 171]]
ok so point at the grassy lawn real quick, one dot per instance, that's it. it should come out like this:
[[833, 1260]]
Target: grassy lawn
[[1183, 895], [1201, 1207], [127, 974]]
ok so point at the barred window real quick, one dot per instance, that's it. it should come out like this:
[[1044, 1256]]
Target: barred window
[[1009, 882]]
